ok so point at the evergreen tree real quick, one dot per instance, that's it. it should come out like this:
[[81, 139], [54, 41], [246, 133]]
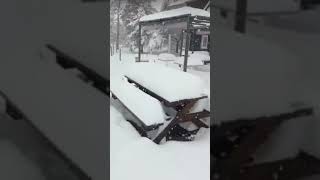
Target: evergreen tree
[[133, 11]]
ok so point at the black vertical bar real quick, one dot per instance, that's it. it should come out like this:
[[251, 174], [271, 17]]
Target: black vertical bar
[[186, 51], [118, 25], [241, 16], [181, 43], [139, 45]]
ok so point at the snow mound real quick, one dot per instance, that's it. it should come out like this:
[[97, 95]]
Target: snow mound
[[166, 57], [196, 58], [169, 83]]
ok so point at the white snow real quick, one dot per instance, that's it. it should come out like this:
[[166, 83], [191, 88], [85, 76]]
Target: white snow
[[69, 112], [137, 101], [196, 58], [167, 57], [183, 11], [169, 83], [135, 157], [253, 80]]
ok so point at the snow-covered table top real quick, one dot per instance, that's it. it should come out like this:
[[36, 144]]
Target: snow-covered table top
[[145, 107], [184, 11], [67, 111], [170, 84]]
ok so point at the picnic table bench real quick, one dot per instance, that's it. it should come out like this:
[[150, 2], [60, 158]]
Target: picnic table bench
[[179, 106], [68, 114], [67, 61]]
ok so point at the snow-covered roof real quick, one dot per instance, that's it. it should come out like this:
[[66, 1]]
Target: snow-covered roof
[[175, 13]]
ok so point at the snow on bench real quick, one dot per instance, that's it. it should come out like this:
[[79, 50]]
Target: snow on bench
[[145, 107], [170, 84], [65, 110]]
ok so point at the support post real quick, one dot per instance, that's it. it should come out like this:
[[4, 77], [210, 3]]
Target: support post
[[181, 42], [186, 51], [241, 16], [118, 25], [169, 48], [139, 43]]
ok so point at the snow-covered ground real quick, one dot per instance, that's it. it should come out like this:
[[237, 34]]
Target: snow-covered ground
[[135, 157]]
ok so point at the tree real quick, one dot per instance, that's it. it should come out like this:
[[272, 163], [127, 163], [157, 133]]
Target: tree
[[134, 10], [117, 29]]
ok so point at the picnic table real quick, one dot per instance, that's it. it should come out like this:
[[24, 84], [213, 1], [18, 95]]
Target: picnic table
[[178, 91], [70, 115]]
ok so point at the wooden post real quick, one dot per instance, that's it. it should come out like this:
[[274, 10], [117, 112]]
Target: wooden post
[[181, 43], [186, 51], [118, 25], [139, 43], [241, 16], [169, 41]]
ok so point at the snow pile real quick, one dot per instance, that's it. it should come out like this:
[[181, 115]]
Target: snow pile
[[246, 72], [137, 101], [196, 58], [169, 83], [135, 157], [184, 11], [166, 57]]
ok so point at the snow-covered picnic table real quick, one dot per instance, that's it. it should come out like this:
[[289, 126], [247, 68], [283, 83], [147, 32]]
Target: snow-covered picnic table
[[146, 88], [68, 112], [169, 84]]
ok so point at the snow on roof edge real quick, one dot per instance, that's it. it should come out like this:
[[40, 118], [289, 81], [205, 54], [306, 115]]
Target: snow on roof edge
[[175, 13]]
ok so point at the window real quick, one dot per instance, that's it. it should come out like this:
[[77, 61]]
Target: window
[[204, 42]]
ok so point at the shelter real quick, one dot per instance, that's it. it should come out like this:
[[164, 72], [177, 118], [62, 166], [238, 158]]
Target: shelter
[[192, 22]]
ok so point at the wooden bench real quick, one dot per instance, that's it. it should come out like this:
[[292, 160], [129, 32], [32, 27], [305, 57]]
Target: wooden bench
[[66, 61], [182, 107], [130, 97], [68, 114], [179, 106], [16, 113]]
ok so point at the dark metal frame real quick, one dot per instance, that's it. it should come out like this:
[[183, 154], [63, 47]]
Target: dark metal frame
[[193, 22]]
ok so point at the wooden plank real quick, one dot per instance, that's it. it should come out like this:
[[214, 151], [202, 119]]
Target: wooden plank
[[69, 62], [174, 122], [260, 129], [161, 99], [144, 127]]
